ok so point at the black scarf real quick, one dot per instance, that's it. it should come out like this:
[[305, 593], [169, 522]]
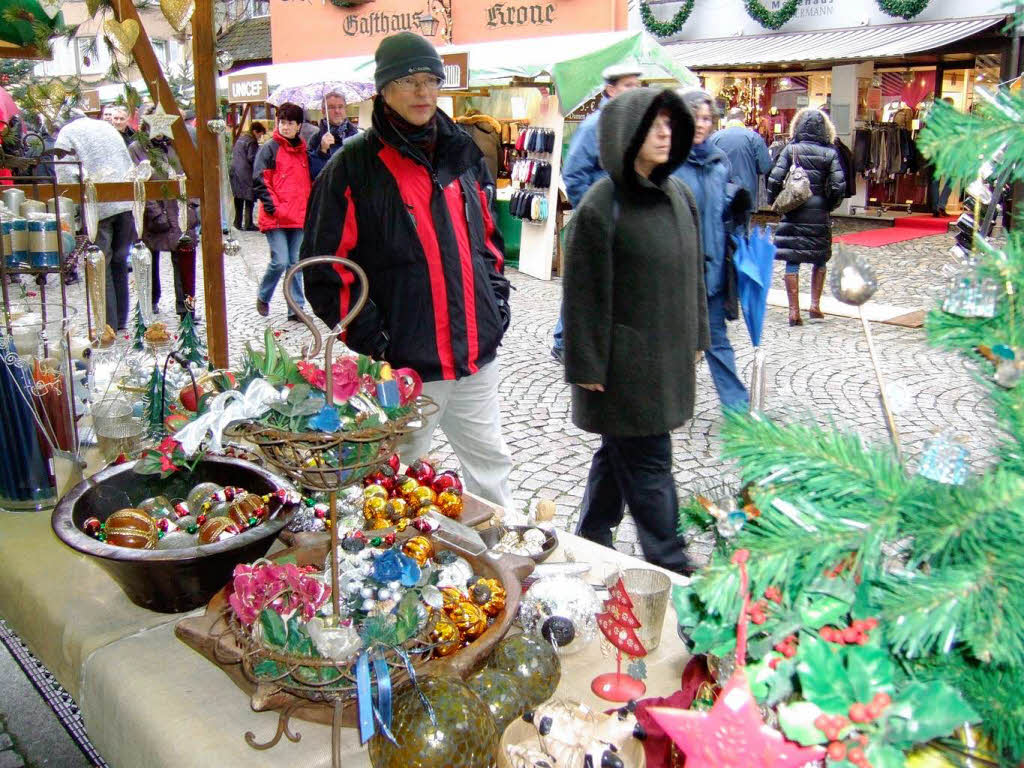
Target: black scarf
[[421, 137]]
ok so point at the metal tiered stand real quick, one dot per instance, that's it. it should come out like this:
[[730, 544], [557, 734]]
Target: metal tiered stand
[[40, 392]]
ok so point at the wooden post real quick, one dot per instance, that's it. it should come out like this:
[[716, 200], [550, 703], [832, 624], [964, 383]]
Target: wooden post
[[203, 44]]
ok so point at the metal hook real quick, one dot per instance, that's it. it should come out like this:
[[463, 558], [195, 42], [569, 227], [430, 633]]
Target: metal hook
[[357, 306]]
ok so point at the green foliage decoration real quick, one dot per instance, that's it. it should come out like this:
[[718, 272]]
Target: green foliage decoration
[[771, 19], [904, 9], [665, 28]]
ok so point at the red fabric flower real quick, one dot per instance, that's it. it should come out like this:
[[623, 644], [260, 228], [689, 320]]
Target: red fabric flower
[[166, 465], [167, 445], [346, 379], [312, 374]]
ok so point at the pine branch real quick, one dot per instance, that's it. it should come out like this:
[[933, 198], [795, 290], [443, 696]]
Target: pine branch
[[959, 143]]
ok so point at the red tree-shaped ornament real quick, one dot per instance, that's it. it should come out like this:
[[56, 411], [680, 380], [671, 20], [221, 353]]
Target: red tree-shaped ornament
[[618, 624], [732, 734]]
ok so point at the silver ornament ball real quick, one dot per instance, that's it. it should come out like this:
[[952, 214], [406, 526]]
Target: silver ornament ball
[[224, 59], [853, 279], [231, 246], [217, 126], [561, 597]]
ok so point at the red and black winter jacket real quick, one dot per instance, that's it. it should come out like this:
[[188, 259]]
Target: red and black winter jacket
[[426, 236], [280, 181]]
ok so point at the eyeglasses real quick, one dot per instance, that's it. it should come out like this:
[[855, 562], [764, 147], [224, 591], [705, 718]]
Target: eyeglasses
[[409, 84]]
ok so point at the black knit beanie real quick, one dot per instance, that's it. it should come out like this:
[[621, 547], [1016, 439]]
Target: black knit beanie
[[405, 54]]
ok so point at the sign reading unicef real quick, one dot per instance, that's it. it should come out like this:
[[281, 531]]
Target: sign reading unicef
[[243, 89], [307, 30]]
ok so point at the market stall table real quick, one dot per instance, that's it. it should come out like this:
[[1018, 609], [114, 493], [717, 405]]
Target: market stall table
[[148, 699]]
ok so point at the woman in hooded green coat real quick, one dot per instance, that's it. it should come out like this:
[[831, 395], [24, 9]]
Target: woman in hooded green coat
[[635, 319]]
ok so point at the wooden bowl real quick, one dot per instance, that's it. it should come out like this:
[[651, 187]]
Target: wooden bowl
[[209, 635], [491, 536], [169, 580]]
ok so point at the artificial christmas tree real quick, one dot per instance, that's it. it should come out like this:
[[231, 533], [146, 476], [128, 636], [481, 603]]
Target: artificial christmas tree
[[138, 338], [190, 344], [893, 604], [155, 408]]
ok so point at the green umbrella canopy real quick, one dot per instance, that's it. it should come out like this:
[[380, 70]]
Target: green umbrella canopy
[[579, 79], [24, 22]]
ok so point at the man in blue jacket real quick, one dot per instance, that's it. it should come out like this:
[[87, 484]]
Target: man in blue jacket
[[582, 166], [335, 130], [746, 151]]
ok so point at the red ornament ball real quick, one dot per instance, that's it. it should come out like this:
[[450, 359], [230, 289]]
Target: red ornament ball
[[423, 471], [447, 480]]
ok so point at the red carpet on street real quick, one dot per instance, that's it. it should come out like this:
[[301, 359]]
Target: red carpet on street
[[905, 228]]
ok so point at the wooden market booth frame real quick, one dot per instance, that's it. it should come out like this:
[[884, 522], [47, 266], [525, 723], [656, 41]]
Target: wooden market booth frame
[[195, 156]]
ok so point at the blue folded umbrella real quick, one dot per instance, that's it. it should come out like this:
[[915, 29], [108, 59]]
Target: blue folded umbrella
[[754, 256]]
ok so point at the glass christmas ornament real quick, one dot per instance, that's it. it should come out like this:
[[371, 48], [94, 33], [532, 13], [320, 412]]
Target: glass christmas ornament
[[224, 60], [96, 285], [90, 210], [533, 663], [500, 692], [561, 611], [232, 247], [461, 734], [853, 280], [971, 295], [131, 528], [944, 460], [216, 126], [142, 273]]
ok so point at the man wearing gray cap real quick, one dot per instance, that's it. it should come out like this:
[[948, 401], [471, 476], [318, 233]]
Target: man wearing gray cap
[[410, 200], [582, 165]]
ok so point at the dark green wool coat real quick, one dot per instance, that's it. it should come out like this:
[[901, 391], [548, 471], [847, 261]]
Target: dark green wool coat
[[634, 307]]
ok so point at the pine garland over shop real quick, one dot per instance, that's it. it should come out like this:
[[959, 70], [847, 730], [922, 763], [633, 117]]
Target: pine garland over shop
[[665, 28], [905, 9], [771, 19], [879, 584]]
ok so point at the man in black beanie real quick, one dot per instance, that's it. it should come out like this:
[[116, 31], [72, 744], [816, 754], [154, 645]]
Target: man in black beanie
[[410, 200]]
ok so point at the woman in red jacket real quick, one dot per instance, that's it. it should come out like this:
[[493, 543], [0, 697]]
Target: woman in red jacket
[[280, 180]]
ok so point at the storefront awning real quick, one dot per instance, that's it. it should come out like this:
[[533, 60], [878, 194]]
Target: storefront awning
[[835, 44]]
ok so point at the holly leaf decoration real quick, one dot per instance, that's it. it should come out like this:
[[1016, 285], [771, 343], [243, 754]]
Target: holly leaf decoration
[[822, 610], [797, 722], [885, 756], [407, 617], [925, 711], [299, 641], [637, 669], [870, 671], [275, 632], [823, 677]]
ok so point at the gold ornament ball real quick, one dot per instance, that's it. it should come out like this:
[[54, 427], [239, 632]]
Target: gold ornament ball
[[131, 528], [445, 636], [450, 503], [423, 495], [469, 618], [374, 491], [489, 595], [405, 485], [452, 597], [426, 509], [419, 549], [375, 506], [397, 508], [378, 524]]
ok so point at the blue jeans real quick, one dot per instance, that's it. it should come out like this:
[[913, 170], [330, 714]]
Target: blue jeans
[[722, 360], [284, 252], [559, 342]]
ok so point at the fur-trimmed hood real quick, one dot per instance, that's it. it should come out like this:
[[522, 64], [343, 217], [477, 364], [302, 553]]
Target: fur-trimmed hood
[[810, 124], [477, 120]]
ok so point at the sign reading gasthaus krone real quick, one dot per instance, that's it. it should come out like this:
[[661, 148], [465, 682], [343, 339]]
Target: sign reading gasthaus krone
[[713, 19], [302, 30]]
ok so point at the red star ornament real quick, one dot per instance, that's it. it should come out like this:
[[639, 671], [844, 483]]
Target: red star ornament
[[732, 734]]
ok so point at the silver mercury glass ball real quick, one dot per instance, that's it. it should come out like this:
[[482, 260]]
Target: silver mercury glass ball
[[224, 59], [853, 279], [231, 246], [216, 126], [561, 610]]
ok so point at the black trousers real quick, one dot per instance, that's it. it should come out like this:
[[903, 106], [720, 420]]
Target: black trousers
[[246, 206], [635, 471]]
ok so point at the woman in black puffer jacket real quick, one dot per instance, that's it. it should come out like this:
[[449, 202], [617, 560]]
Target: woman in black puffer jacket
[[805, 234]]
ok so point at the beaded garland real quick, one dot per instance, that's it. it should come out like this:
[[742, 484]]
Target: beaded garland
[[771, 19], [665, 28], [905, 9]]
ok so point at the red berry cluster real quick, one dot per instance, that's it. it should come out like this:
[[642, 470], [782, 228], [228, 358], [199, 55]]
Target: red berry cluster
[[853, 748], [858, 633], [787, 648]]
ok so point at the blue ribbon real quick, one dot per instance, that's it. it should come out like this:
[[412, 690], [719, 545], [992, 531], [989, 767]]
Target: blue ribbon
[[412, 679], [371, 716], [364, 695]]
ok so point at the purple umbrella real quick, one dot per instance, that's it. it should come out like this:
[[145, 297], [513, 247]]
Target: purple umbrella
[[312, 95]]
